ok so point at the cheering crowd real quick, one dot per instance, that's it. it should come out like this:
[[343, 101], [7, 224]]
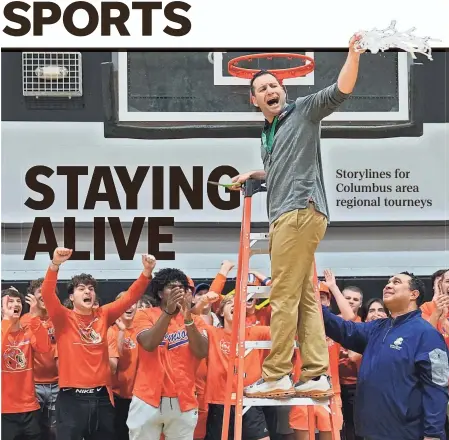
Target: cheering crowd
[[153, 363]]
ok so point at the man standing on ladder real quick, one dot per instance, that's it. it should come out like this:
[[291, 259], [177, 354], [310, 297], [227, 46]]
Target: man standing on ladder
[[298, 216]]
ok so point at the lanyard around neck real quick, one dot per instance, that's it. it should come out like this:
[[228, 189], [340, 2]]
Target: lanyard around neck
[[268, 141]]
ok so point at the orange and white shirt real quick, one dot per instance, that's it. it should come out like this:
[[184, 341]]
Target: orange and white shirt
[[218, 360], [45, 366], [123, 380], [82, 339], [18, 349], [169, 371], [443, 326]]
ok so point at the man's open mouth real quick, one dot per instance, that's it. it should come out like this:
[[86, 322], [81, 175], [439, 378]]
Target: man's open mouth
[[128, 312], [273, 101], [87, 300], [16, 309]]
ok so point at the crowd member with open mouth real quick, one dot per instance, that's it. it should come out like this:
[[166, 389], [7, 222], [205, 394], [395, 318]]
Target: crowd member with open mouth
[[20, 407]]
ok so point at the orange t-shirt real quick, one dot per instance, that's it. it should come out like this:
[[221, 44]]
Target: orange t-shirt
[[201, 376], [169, 371], [82, 339], [260, 317], [45, 368], [218, 359], [123, 380], [427, 309], [18, 348], [348, 369]]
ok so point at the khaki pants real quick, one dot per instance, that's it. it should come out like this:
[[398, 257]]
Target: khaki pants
[[294, 238]]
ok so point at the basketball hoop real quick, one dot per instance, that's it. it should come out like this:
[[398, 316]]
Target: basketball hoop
[[281, 74]]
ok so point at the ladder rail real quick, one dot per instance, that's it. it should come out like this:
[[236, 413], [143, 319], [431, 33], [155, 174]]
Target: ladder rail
[[241, 304], [234, 333]]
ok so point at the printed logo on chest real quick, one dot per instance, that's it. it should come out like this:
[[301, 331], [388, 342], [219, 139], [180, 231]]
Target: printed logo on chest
[[129, 344], [175, 339], [88, 334]]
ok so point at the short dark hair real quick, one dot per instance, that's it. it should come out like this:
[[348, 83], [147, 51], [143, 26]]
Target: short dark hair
[[367, 305], [147, 299], [416, 283], [36, 284], [82, 278], [436, 275], [162, 279], [259, 74]]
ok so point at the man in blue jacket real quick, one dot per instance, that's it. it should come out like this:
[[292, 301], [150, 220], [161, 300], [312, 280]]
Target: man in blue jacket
[[402, 389]]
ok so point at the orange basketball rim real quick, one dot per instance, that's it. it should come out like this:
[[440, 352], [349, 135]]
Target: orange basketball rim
[[307, 66]]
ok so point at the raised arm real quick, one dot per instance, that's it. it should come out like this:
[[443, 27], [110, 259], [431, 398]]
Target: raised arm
[[342, 302], [321, 104], [350, 335], [349, 72], [433, 370], [55, 309], [220, 279], [116, 308], [264, 280]]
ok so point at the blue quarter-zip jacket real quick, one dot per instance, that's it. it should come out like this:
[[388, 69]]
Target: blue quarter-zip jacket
[[402, 386]]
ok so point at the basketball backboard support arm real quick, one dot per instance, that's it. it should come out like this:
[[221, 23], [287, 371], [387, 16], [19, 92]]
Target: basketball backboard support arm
[[116, 127]]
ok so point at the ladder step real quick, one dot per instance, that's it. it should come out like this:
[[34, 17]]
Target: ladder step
[[258, 291], [259, 236], [263, 345], [295, 401]]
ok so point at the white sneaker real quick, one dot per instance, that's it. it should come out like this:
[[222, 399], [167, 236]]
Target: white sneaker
[[317, 388], [277, 389]]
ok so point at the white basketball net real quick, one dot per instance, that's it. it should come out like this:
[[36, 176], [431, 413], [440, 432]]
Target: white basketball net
[[377, 40]]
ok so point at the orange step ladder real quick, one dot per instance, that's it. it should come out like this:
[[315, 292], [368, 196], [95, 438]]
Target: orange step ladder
[[237, 356]]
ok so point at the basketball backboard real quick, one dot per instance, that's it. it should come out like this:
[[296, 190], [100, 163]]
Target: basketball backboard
[[154, 95]]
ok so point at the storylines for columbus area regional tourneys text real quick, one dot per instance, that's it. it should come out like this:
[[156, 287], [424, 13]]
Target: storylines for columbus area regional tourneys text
[[371, 185]]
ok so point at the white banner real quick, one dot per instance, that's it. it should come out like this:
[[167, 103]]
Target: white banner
[[61, 170], [206, 24]]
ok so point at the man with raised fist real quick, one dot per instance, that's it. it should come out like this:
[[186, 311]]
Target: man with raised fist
[[84, 409]]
